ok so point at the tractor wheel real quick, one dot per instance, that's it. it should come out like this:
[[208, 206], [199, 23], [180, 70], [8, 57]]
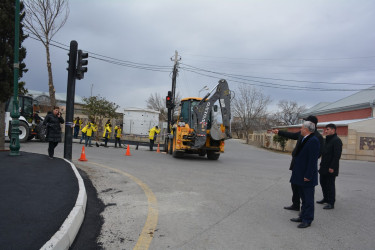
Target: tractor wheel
[[24, 131], [212, 155], [42, 130], [202, 152], [175, 153]]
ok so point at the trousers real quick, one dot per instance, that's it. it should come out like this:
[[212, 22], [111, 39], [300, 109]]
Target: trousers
[[327, 182], [51, 148], [296, 196], [307, 209], [151, 144], [117, 140]]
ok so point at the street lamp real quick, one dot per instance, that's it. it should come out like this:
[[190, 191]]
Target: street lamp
[[204, 88], [15, 114]]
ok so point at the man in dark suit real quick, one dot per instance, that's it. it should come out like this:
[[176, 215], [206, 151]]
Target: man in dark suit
[[297, 136], [329, 166], [305, 173]]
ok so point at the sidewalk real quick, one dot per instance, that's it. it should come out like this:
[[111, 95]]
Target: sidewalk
[[41, 200]]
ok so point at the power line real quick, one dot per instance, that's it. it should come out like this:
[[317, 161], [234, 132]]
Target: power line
[[112, 60], [208, 73], [287, 59], [272, 85], [276, 79]]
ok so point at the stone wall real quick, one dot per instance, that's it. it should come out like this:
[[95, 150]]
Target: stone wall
[[356, 146]]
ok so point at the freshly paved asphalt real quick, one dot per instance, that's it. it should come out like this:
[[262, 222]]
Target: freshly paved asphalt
[[36, 196]]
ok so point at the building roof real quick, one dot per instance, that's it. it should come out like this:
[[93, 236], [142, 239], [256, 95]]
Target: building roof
[[362, 99], [59, 96], [337, 123], [141, 110]]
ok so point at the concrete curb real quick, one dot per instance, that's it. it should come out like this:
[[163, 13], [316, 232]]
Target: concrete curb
[[64, 238]]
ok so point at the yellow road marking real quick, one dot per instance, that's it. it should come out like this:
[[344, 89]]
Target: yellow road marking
[[148, 230]]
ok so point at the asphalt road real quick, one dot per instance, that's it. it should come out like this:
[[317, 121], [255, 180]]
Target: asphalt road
[[233, 203]]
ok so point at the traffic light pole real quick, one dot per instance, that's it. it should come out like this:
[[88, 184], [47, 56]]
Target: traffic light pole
[[70, 100]]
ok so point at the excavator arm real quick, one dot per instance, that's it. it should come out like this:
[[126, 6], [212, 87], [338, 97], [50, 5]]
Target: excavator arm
[[202, 113]]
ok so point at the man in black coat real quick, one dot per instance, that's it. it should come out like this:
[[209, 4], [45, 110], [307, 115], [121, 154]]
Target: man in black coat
[[305, 173], [52, 122], [297, 136], [329, 166]]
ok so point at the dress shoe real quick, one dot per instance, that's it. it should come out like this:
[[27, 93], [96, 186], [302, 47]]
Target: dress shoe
[[321, 201], [294, 208], [304, 225], [296, 219], [328, 206]]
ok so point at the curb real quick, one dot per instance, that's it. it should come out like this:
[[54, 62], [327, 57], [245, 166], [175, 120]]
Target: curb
[[65, 236]]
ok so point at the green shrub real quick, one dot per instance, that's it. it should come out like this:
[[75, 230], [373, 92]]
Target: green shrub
[[281, 140]]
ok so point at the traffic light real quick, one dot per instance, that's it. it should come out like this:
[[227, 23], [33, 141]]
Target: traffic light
[[80, 72], [169, 100]]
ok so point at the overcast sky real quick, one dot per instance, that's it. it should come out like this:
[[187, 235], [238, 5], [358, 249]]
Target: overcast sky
[[330, 41]]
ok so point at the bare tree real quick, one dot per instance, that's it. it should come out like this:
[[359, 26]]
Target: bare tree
[[289, 112], [157, 102], [250, 107], [44, 18]]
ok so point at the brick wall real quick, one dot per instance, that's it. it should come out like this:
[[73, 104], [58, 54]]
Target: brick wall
[[346, 115]]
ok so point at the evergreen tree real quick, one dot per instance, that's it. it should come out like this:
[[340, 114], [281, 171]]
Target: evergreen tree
[[7, 11]]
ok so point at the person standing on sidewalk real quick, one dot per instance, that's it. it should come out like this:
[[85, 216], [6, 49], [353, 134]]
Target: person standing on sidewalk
[[53, 135], [152, 136], [297, 136], [118, 133], [329, 166], [305, 173]]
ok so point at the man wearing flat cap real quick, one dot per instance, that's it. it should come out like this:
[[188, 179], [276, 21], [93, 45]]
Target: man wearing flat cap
[[296, 199]]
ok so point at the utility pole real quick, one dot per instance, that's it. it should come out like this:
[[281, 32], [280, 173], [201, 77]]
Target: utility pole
[[176, 59], [92, 85]]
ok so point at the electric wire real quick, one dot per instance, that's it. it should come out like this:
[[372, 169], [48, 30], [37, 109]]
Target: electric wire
[[243, 79], [277, 79]]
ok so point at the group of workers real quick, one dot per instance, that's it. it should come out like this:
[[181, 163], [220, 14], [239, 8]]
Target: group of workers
[[91, 127]]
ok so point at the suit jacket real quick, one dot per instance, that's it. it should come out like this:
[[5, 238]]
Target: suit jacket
[[306, 162], [297, 136]]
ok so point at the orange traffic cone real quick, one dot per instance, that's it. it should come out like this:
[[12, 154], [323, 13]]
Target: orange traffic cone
[[158, 150], [83, 155], [128, 151]]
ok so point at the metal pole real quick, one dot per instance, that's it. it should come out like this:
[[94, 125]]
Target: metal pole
[[15, 114], [70, 93]]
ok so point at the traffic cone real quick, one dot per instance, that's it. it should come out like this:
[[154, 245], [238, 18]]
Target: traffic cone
[[83, 155], [128, 151], [158, 150]]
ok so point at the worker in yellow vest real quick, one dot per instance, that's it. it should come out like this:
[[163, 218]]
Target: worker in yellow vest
[[107, 133], [118, 133], [77, 127], [83, 135], [152, 136], [91, 127]]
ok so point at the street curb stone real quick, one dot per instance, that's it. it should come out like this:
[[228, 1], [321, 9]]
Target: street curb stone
[[65, 236]]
